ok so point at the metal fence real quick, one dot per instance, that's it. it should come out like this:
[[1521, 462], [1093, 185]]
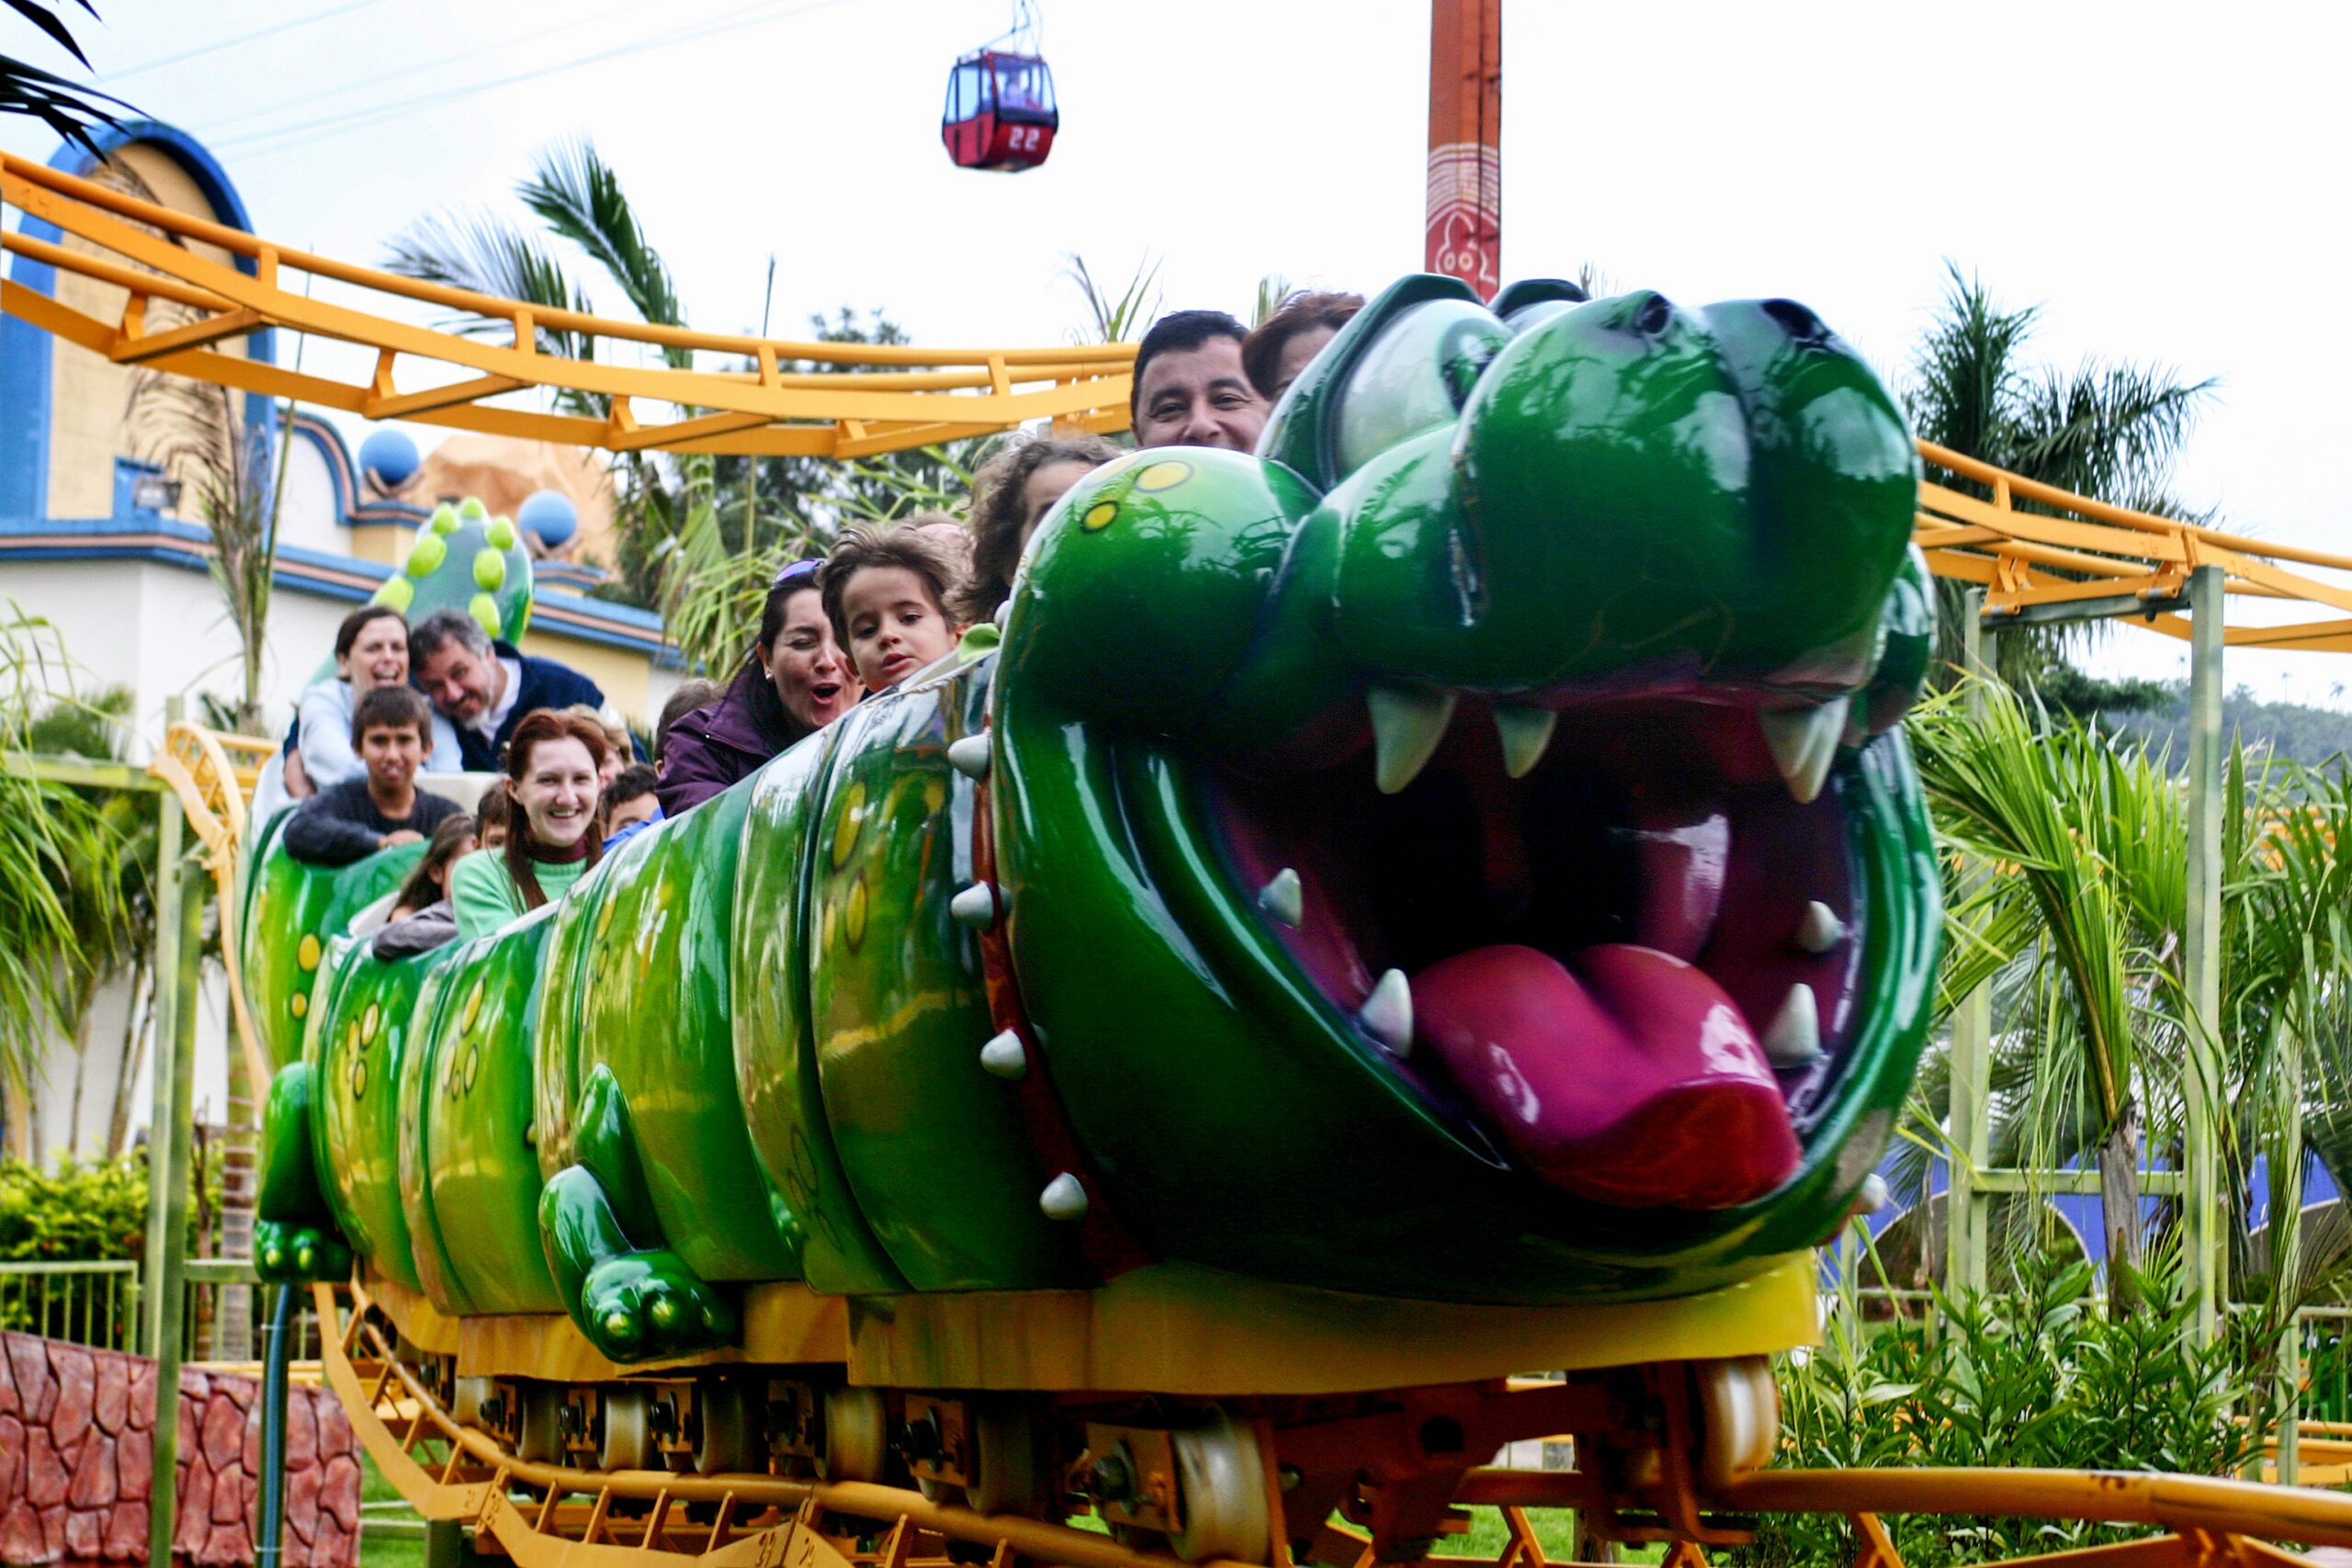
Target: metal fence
[[96, 1302], [87, 1302]]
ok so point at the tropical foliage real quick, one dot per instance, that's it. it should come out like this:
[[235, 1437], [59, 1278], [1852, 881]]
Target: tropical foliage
[[2107, 430], [66, 108], [2033, 1377], [2066, 847], [197, 433], [51, 839], [698, 534]]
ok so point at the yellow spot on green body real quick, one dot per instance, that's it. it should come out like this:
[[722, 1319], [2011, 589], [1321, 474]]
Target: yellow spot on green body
[[848, 824], [1099, 516], [306, 952], [1165, 475]]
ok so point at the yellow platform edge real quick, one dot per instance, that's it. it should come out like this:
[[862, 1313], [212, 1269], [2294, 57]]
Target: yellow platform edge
[[1169, 1328]]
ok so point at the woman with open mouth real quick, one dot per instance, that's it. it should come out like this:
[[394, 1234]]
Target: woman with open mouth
[[794, 680]]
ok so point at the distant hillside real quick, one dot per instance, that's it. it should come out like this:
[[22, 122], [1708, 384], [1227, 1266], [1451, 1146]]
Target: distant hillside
[[2306, 734]]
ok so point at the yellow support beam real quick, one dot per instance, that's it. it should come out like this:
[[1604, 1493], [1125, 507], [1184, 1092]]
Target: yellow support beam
[[2032, 545], [857, 400]]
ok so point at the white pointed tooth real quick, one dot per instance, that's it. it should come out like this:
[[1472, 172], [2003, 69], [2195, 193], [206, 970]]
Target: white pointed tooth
[[1874, 1195], [1283, 899], [1526, 733], [1805, 742], [1388, 1014], [1820, 929], [975, 907], [1794, 1038], [1406, 725], [1064, 1198], [970, 755], [1003, 613], [1003, 1057]]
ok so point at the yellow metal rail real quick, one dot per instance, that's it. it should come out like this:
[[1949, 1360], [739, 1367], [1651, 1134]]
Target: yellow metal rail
[[213, 774], [2034, 545], [548, 1516], [734, 394]]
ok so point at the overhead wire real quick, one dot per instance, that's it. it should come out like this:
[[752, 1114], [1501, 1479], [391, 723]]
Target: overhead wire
[[267, 142], [212, 131], [288, 26]]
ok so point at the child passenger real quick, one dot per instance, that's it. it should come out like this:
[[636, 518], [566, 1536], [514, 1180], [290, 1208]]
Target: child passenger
[[886, 594]]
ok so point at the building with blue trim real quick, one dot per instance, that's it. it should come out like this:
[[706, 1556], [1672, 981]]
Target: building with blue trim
[[121, 570], [93, 544]]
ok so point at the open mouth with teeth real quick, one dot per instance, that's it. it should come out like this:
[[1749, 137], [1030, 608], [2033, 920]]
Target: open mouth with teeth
[[1623, 937], [1483, 808]]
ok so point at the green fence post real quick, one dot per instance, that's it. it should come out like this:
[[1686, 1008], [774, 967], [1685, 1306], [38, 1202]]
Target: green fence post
[[167, 1160], [1972, 1046], [2200, 1205], [168, 822]]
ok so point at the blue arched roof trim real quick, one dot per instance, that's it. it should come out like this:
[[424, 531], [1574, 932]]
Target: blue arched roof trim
[[25, 349]]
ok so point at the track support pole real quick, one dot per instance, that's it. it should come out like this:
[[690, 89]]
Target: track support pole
[[1971, 1046], [2200, 1206], [277, 1348], [167, 1162]]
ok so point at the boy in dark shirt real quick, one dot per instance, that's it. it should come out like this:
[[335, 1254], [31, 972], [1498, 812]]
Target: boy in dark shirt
[[392, 729]]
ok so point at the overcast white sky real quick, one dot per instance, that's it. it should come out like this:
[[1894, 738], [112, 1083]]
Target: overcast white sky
[[2168, 180]]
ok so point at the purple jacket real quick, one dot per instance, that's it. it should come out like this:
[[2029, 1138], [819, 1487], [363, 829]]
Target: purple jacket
[[716, 744]]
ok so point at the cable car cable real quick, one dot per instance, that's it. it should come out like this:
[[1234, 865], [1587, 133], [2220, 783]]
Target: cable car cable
[[277, 138], [286, 25], [212, 130]]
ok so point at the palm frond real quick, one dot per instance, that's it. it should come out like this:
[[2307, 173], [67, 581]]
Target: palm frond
[[576, 194], [1115, 318]]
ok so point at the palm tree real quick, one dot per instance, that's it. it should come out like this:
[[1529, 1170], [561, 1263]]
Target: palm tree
[[695, 530], [196, 432], [2091, 839], [47, 832], [66, 108], [2110, 430], [2077, 920]]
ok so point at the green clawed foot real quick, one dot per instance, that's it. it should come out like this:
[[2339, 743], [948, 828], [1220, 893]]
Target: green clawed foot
[[288, 1254], [650, 1303]]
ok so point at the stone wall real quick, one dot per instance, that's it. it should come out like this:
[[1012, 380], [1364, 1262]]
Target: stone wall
[[76, 1451]]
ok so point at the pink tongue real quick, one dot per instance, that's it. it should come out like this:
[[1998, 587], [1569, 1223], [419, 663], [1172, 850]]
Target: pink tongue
[[1637, 1084]]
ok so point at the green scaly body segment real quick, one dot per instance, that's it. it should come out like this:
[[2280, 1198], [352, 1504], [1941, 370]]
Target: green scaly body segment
[[750, 1047]]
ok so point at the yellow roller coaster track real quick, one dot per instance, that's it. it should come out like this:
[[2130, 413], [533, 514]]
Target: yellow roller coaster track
[[557, 1515], [731, 393], [2037, 551]]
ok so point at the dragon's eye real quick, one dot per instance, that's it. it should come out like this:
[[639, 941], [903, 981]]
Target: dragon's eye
[[1414, 377]]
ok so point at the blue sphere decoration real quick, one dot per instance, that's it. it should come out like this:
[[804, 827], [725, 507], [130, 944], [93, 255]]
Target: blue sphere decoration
[[550, 514], [389, 459]]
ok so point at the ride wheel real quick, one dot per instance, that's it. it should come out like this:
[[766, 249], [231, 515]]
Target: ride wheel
[[1737, 1406], [1222, 1477], [626, 1440], [728, 1437], [541, 1438], [469, 1397], [857, 1435], [1014, 1478]]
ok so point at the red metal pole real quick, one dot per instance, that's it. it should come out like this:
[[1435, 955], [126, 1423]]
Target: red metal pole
[[1464, 226]]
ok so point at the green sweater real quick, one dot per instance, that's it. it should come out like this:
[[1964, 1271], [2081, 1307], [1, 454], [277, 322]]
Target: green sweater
[[487, 898]]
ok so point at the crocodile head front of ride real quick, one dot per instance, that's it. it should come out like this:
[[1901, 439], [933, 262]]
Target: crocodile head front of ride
[[1467, 850]]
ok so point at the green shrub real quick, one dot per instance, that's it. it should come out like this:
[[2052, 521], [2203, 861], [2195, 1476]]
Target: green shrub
[[74, 1211], [2040, 1377]]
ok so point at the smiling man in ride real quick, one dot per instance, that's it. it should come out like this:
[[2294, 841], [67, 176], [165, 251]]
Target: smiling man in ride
[[1190, 387], [485, 689]]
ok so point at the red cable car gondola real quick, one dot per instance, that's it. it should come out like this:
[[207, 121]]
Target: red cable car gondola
[[1001, 112]]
